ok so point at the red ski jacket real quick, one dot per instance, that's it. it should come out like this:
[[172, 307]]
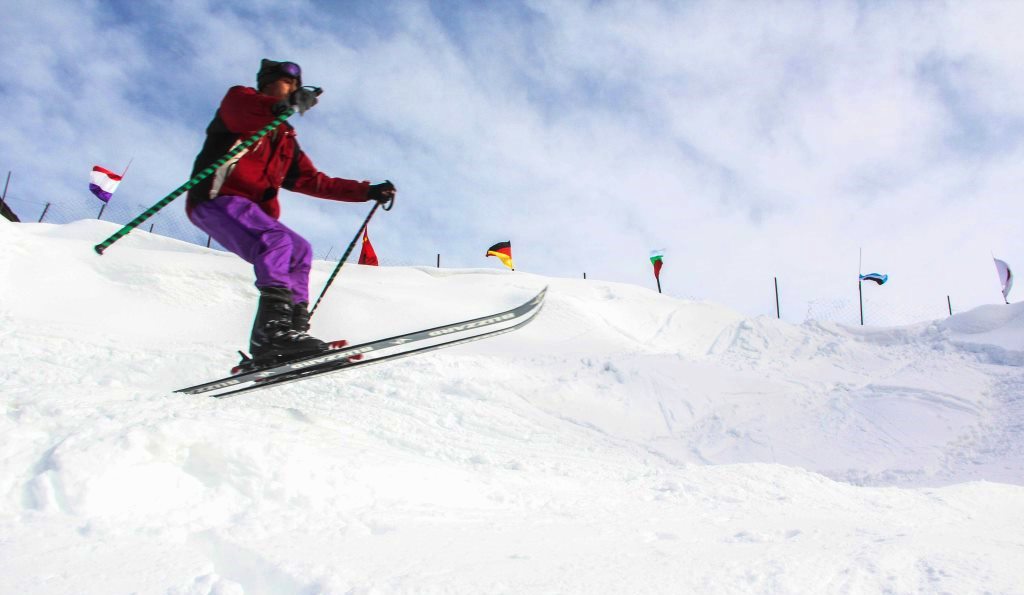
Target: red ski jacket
[[275, 161]]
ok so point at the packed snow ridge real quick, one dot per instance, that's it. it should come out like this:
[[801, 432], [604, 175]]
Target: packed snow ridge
[[623, 442]]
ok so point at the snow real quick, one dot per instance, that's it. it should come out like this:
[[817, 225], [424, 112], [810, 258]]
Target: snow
[[623, 442]]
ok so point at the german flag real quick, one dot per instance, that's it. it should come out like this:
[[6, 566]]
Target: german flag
[[503, 250]]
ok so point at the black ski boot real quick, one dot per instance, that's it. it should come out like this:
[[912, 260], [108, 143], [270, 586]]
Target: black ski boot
[[300, 317], [274, 338]]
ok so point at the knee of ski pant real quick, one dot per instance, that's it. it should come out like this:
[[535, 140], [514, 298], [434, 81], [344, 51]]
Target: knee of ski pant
[[302, 250], [275, 240]]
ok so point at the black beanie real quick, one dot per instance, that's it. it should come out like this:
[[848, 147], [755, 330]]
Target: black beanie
[[270, 71]]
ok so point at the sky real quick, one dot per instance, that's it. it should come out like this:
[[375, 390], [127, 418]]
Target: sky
[[802, 141]]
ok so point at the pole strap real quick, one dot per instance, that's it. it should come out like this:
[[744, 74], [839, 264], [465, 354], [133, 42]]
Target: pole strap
[[153, 210]]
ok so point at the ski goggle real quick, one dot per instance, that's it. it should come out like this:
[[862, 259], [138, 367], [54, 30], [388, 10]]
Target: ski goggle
[[291, 69]]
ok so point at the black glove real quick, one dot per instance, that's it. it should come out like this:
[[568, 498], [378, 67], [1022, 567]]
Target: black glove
[[301, 100], [382, 192]]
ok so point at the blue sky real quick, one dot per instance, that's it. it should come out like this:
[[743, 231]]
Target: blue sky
[[747, 140]]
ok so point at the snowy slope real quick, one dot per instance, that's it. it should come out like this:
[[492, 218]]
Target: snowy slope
[[624, 442]]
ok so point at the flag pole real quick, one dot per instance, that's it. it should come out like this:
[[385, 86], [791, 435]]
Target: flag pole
[[860, 290], [3, 198], [104, 205], [778, 314], [1005, 298]]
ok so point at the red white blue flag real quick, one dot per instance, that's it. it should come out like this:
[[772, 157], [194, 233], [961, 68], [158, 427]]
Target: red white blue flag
[[103, 182]]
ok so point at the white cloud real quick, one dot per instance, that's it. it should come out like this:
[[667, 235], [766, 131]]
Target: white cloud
[[749, 140]]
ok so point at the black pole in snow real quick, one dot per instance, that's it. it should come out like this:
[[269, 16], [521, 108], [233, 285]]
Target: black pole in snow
[[3, 198], [861, 292], [100, 216], [439, 260], [45, 209], [658, 279], [860, 280], [950, 304], [778, 313]]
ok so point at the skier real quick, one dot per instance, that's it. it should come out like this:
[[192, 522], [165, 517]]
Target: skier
[[238, 205]]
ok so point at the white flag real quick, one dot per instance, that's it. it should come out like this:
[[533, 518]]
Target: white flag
[[1005, 278]]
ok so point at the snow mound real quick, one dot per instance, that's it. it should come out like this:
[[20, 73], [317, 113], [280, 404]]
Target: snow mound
[[624, 441], [1001, 325]]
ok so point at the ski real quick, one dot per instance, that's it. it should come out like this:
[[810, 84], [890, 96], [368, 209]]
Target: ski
[[287, 377], [342, 356]]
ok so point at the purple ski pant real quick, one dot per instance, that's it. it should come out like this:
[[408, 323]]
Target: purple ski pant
[[281, 257]]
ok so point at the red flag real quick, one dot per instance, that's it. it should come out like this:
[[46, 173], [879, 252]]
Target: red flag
[[366, 254]]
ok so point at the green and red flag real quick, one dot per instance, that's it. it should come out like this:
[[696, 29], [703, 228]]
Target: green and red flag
[[503, 251], [656, 256]]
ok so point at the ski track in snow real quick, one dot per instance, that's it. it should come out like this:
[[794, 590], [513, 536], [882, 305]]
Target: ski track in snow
[[624, 442]]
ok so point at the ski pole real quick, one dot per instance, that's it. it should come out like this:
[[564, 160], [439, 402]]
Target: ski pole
[[99, 248], [351, 246]]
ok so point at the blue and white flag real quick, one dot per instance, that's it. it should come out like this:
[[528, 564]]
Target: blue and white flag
[[876, 277]]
